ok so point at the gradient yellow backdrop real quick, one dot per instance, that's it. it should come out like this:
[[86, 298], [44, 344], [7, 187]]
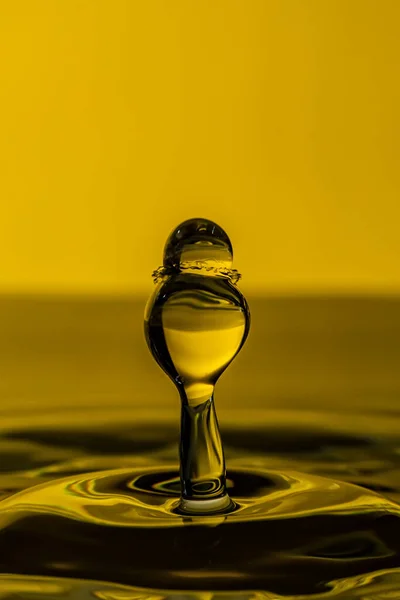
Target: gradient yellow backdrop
[[279, 119]]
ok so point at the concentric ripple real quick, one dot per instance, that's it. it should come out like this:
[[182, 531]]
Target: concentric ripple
[[148, 497], [91, 512], [124, 523]]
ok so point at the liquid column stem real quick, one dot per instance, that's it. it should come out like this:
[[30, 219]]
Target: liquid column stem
[[203, 475]]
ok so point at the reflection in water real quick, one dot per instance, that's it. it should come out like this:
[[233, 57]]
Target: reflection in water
[[382, 585], [90, 515], [89, 485]]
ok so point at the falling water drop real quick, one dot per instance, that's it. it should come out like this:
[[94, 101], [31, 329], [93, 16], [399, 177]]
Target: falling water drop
[[196, 322]]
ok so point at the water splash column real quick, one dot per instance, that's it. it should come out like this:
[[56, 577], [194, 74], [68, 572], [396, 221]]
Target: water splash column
[[196, 321]]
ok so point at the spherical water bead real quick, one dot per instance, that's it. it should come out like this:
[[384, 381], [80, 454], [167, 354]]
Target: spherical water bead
[[198, 244]]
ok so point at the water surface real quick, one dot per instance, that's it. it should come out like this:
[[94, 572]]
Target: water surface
[[88, 420]]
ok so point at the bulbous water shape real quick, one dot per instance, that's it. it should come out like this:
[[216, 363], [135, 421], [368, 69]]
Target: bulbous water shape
[[196, 321]]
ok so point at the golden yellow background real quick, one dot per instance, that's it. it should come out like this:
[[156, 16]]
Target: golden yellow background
[[279, 119]]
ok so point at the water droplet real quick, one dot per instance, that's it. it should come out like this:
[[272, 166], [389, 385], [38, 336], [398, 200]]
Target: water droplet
[[196, 322]]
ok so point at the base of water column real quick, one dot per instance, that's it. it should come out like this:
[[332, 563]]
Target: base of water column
[[206, 507]]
